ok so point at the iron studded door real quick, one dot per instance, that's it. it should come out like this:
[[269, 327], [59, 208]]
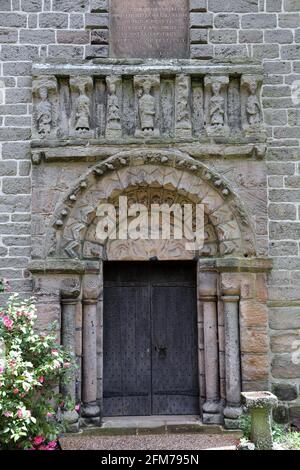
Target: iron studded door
[[150, 339]]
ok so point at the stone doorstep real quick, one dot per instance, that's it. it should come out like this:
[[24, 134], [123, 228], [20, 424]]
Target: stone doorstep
[[155, 425]]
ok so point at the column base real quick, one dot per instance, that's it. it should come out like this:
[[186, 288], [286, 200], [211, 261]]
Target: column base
[[231, 423], [90, 415], [215, 418]]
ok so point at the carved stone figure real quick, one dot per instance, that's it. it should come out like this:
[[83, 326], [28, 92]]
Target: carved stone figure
[[147, 109], [81, 85], [183, 114], [113, 126], [216, 113], [44, 113], [44, 116], [146, 104], [251, 106], [216, 106], [82, 111]]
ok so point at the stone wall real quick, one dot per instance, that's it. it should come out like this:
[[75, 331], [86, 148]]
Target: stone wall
[[268, 30]]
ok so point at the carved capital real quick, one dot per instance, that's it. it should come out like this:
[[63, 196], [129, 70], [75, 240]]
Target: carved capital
[[70, 290], [207, 282], [92, 287]]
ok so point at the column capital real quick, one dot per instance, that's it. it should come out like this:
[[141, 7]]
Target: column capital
[[70, 290], [92, 287]]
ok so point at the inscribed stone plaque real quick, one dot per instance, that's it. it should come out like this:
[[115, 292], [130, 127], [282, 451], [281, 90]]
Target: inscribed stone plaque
[[149, 28]]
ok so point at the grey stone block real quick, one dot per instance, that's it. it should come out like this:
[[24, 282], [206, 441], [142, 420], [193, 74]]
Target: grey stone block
[[201, 20], [37, 36], [8, 168], [5, 5], [99, 5], [70, 5], [284, 318], [223, 36], [18, 95], [76, 21], [280, 36], [24, 168], [282, 168], [17, 53], [275, 117], [32, 20], [273, 5], [99, 36], [251, 36], [65, 52], [284, 230], [201, 51], [285, 392], [283, 248], [225, 20], [17, 241], [13, 20], [231, 51], [259, 21], [14, 133], [53, 20], [283, 367], [31, 5], [198, 5], [17, 69], [291, 52], [96, 20], [96, 51], [277, 66], [16, 185], [73, 37], [295, 416], [238, 6], [288, 20], [291, 5], [8, 36], [282, 212], [16, 151], [266, 51]]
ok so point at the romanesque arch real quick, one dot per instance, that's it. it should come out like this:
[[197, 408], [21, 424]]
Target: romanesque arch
[[146, 175]]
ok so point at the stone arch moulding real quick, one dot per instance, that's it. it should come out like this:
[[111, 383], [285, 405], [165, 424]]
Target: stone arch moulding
[[151, 174]]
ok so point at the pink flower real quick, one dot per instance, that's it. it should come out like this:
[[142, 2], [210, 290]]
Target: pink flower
[[54, 352], [41, 379], [15, 391], [49, 415], [67, 365], [23, 414], [38, 440], [56, 364], [8, 323], [52, 444], [1, 384], [20, 413], [1, 369], [77, 408], [7, 414], [19, 313], [12, 363]]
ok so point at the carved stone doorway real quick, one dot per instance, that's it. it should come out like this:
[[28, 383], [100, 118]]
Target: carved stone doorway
[[150, 360]]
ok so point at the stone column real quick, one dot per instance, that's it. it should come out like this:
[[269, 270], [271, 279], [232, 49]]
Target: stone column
[[91, 292], [69, 298], [232, 410], [207, 288]]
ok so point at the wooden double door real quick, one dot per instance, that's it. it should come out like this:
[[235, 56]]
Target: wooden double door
[[150, 339]]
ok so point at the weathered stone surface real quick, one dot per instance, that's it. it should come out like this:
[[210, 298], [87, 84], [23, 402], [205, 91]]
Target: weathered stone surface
[[253, 314], [281, 414], [255, 367], [284, 318], [286, 366], [284, 342], [254, 341], [295, 416], [285, 392]]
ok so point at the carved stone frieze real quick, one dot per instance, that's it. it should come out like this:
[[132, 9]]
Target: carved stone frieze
[[146, 87], [216, 105], [81, 113], [183, 124], [251, 103], [113, 115]]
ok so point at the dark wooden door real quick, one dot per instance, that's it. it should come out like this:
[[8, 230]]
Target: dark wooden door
[[150, 339]]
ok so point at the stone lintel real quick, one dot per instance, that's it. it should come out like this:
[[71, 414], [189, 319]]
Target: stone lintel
[[238, 265], [135, 66], [57, 266], [51, 151]]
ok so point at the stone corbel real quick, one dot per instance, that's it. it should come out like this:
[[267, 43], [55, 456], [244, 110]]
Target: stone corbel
[[45, 101], [216, 114], [252, 116], [146, 92], [114, 106], [183, 122], [80, 125]]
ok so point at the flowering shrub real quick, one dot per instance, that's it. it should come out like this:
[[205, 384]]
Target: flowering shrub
[[31, 365]]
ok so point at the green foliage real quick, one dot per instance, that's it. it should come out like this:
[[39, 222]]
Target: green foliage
[[31, 366], [245, 425]]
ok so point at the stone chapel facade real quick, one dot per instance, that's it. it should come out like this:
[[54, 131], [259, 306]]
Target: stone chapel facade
[[187, 101]]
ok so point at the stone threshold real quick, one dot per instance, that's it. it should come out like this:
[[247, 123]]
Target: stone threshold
[[147, 425]]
